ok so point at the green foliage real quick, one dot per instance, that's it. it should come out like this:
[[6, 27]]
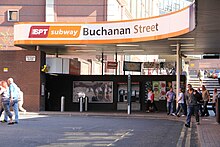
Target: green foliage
[[6, 39]]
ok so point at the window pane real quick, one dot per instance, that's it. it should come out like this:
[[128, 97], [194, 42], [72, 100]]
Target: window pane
[[12, 15]]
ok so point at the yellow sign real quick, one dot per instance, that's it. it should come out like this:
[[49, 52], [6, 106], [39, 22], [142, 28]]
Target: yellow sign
[[5, 69], [192, 65]]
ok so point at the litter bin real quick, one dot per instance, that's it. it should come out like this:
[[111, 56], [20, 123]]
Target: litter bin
[[218, 109]]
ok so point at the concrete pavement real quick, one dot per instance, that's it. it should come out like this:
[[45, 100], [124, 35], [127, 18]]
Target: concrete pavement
[[208, 130]]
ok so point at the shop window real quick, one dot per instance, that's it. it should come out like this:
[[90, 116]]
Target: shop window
[[13, 15]]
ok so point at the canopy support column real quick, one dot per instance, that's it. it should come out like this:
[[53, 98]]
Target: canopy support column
[[178, 69]]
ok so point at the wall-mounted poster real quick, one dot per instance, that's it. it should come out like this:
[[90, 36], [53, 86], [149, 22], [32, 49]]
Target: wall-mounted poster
[[159, 89], [156, 90], [96, 91], [162, 90]]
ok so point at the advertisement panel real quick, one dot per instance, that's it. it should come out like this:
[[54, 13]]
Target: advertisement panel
[[159, 89], [96, 91]]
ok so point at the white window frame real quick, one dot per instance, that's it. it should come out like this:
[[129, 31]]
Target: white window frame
[[15, 11]]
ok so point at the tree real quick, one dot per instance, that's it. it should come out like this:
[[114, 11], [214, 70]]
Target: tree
[[6, 39]]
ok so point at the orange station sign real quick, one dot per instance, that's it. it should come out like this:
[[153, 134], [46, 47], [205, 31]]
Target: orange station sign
[[123, 31]]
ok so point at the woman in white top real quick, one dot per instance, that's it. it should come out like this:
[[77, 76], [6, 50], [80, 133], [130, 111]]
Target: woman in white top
[[181, 104], [5, 99], [21, 101], [150, 101]]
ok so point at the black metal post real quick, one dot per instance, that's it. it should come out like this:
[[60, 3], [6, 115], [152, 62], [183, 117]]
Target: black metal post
[[102, 63], [129, 94]]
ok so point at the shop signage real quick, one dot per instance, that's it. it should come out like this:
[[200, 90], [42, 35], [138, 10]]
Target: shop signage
[[30, 58], [112, 65], [132, 66], [154, 28]]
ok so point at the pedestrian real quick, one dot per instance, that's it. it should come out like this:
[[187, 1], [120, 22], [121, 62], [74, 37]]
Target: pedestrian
[[21, 101], [13, 94], [199, 75], [1, 105], [192, 106], [1, 108], [188, 87], [181, 104], [150, 101], [206, 98], [199, 91], [170, 96], [214, 100], [5, 99], [200, 100]]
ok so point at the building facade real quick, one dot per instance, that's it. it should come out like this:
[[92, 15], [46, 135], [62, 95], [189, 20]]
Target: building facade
[[12, 12]]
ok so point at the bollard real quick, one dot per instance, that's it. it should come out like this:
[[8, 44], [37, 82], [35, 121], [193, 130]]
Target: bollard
[[86, 103], [62, 103], [129, 94], [129, 108], [80, 104]]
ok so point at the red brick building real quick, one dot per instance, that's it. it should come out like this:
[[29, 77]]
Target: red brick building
[[14, 63]]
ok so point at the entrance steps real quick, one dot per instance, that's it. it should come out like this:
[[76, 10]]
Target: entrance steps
[[209, 83]]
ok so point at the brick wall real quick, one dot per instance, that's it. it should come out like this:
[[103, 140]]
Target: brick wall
[[81, 10], [27, 75]]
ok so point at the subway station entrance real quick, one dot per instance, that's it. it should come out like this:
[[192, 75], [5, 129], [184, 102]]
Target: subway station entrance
[[171, 34], [107, 92]]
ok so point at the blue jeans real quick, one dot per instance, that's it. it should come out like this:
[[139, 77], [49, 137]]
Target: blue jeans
[[190, 110], [2, 109], [6, 106], [15, 109], [205, 109], [169, 107], [180, 108]]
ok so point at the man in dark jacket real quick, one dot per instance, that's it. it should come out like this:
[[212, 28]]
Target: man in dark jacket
[[192, 106], [200, 100]]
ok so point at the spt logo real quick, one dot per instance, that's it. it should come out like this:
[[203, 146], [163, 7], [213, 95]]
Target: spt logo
[[39, 31], [54, 31]]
